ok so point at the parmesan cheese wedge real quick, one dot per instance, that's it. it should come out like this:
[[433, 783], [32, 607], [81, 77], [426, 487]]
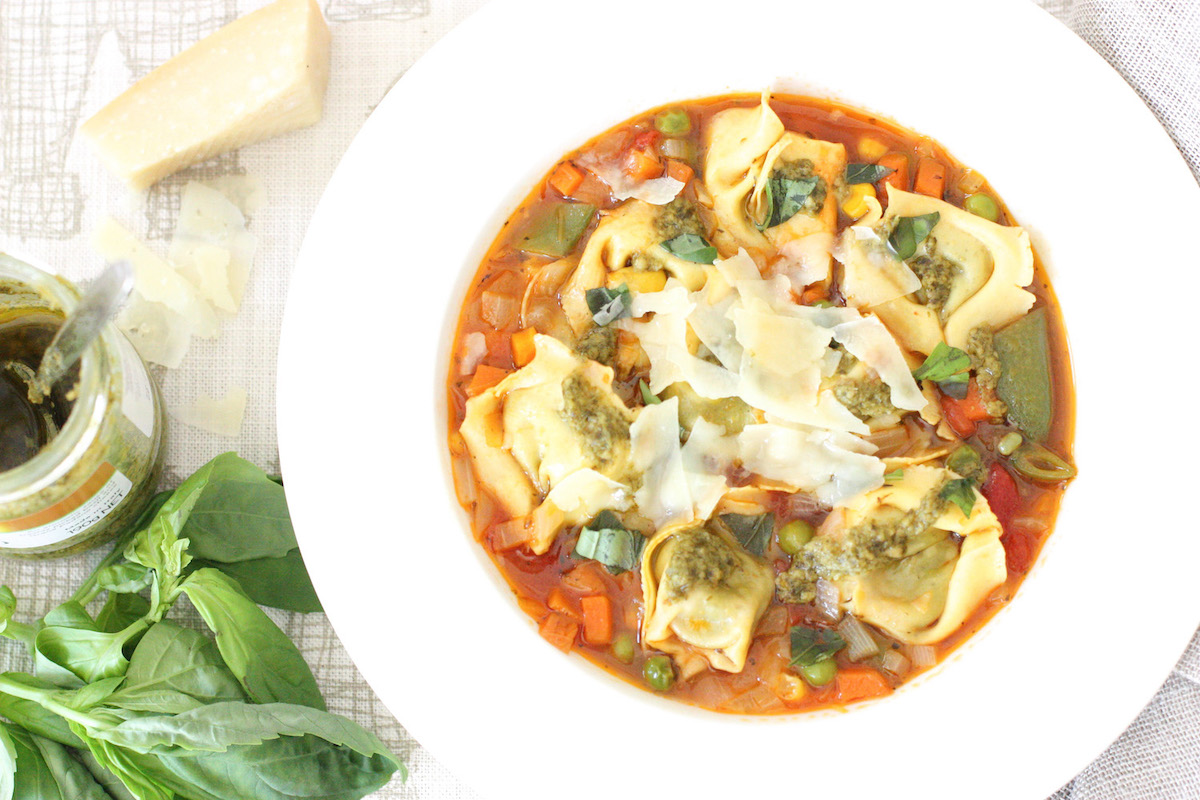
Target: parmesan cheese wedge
[[259, 76]]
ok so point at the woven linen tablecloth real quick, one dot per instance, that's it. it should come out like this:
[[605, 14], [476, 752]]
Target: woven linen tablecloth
[[61, 60]]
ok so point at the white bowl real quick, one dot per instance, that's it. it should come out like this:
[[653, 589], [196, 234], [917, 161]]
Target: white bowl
[[422, 192]]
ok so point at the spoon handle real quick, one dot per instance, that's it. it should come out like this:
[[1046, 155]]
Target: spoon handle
[[97, 306]]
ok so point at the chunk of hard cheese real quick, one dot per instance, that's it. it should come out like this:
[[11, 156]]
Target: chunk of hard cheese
[[259, 76]]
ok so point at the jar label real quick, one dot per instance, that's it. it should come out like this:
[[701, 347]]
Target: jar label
[[137, 395], [72, 515]]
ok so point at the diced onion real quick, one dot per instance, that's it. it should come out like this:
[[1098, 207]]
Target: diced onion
[[676, 148], [828, 600], [774, 622], [970, 182], [922, 656], [894, 662], [499, 310], [859, 642], [508, 535], [474, 349], [464, 480], [758, 700]]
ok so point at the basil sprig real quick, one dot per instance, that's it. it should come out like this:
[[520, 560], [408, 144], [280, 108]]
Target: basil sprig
[[866, 173], [945, 365], [753, 532], [608, 305], [810, 645], [785, 198], [606, 540], [691, 247], [961, 492], [910, 232]]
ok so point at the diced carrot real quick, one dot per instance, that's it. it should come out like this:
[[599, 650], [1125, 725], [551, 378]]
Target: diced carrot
[[597, 619], [679, 171], [642, 166], [963, 414], [485, 377], [898, 162], [559, 631], [956, 418], [814, 294], [566, 178], [557, 601], [931, 178], [859, 683], [523, 348], [973, 404]]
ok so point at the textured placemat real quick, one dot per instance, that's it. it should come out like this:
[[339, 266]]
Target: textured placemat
[[60, 60]]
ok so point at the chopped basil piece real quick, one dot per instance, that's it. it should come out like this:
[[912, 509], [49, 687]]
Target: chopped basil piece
[[910, 232], [955, 386], [810, 646], [608, 305], [691, 247], [607, 541], [648, 397], [945, 364], [961, 492], [785, 197], [866, 173], [895, 475], [558, 229], [753, 532]]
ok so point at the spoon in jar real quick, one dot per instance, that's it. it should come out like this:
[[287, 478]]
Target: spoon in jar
[[97, 306]]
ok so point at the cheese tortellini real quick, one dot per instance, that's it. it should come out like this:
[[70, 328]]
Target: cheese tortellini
[[968, 273], [704, 595]]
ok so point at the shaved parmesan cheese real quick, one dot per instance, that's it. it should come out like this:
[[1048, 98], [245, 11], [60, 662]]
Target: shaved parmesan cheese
[[707, 456], [211, 247], [155, 279], [656, 191], [869, 341], [805, 260], [585, 493], [871, 275], [664, 496], [244, 191], [809, 461], [156, 332], [220, 416]]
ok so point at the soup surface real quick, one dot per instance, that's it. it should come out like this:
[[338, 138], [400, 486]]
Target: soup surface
[[761, 403]]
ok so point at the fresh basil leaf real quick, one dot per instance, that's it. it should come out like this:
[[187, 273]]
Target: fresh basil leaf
[[895, 475], [111, 783], [866, 173], [36, 719], [8, 764], [133, 770], [239, 514], [944, 365], [648, 397], [174, 669], [89, 654], [556, 231], [753, 532], [810, 645], [607, 541], [120, 611], [45, 770], [123, 578], [275, 582], [608, 305], [910, 232], [691, 247], [9, 627], [785, 198], [961, 492], [261, 657], [284, 768]]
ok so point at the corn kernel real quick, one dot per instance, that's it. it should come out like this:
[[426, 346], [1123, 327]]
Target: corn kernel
[[638, 280], [855, 204], [871, 149]]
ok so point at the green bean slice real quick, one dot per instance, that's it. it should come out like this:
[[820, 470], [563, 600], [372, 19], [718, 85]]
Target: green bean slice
[[1041, 464]]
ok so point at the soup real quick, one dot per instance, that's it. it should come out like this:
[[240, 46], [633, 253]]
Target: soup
[[763, 404]]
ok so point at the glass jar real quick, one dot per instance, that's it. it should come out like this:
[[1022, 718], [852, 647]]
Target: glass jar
[[102, 457]]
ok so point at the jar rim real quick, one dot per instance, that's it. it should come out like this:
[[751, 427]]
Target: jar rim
[[49, 463]]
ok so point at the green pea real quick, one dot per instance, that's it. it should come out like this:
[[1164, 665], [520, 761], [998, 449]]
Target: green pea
[[821, 673], [965, 461], [981, 205], [1008, 443], [794, 535], [659, 672], [675, 122], [622, 648]]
